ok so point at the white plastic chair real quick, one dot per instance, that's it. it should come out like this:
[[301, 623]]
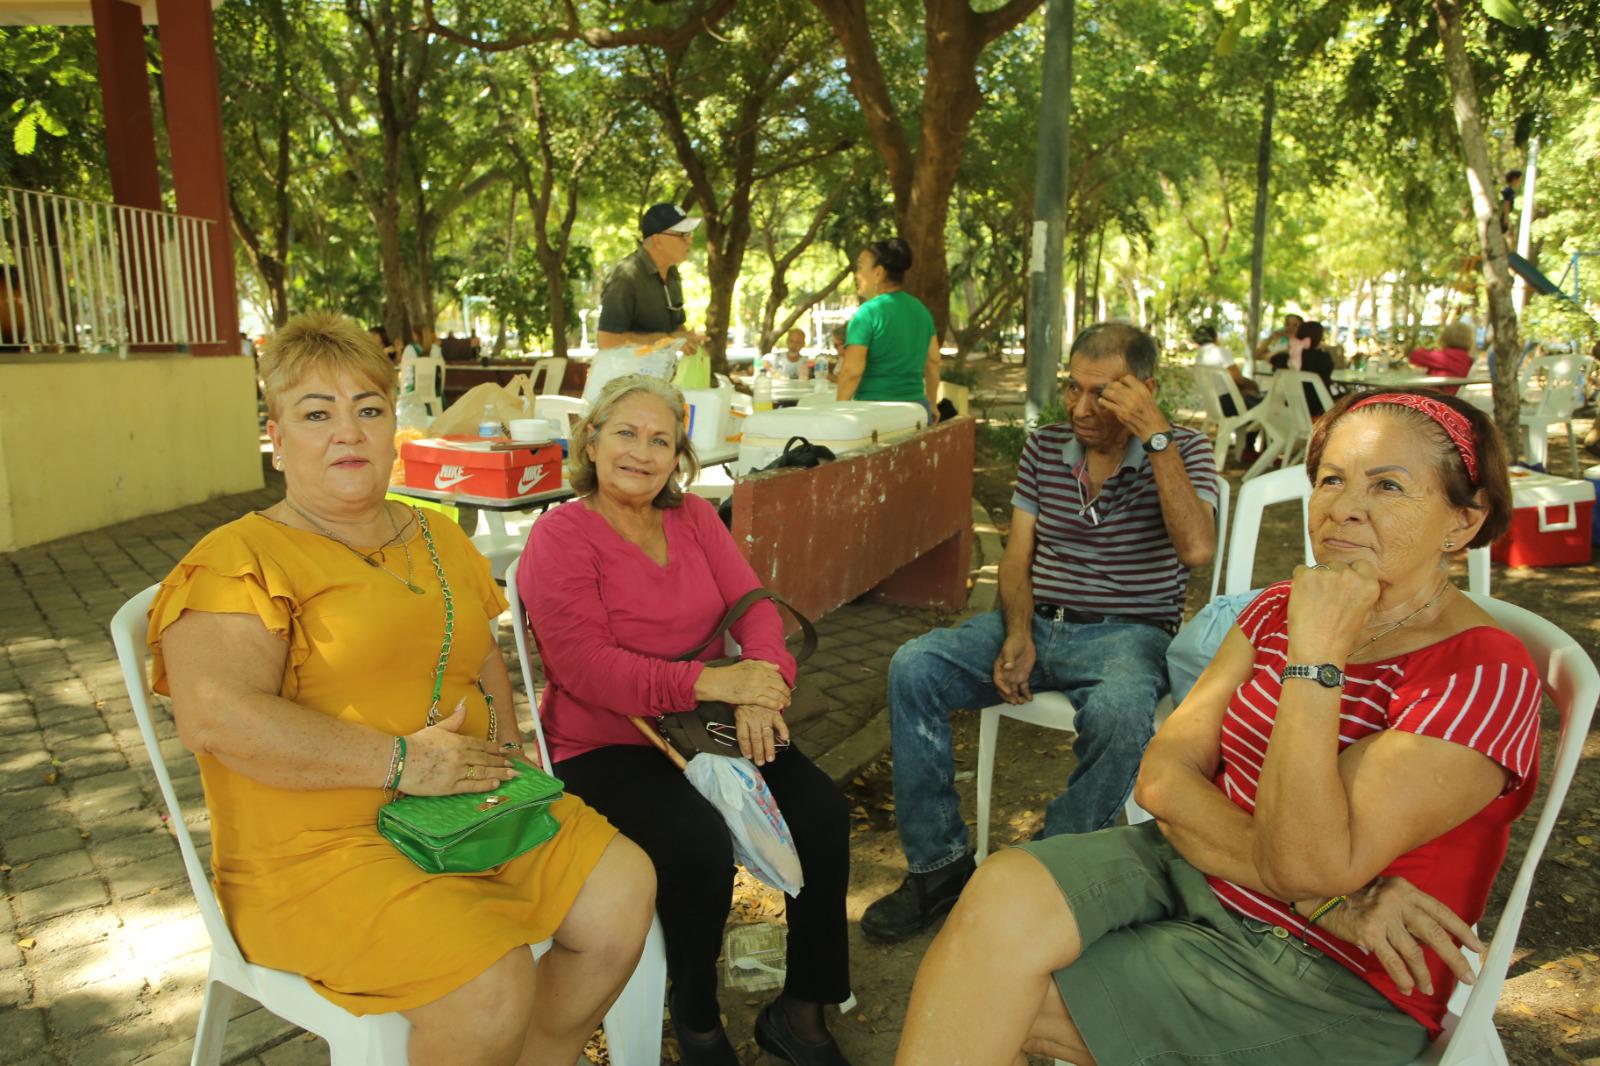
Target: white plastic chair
[[1053, 710], [547, 375], [1573, 685], [569, 410], [425, 376], [639, 1009], [1287, 419], [1562, 394], [1215, 385], [1292, 482], [370, 1040]]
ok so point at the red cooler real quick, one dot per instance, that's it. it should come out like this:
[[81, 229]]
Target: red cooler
[[1551, 524], [503, 473]]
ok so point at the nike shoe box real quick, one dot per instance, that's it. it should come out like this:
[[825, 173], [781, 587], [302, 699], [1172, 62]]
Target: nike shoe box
[[472, 466]]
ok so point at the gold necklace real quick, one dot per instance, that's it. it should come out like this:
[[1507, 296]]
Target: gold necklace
[[1396, 625], [370, 559]]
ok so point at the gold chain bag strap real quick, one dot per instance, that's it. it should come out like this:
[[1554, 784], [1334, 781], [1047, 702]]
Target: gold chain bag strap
[[710, 727], [471, 831]]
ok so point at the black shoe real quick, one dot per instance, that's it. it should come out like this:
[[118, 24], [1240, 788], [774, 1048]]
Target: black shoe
[[921, 900], [714, 1050], [777, 1039]]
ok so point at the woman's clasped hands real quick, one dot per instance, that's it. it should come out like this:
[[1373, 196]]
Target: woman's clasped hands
[[759, 695], [442, 762]]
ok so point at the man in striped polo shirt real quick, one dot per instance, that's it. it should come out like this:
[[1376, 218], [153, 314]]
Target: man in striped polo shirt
[[1110, 513]]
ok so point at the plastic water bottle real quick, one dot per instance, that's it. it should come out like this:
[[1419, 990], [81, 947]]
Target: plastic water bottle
[[489, 424], [761, 392]]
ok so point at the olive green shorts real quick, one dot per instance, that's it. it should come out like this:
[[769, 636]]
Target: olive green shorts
[[1168, 975]]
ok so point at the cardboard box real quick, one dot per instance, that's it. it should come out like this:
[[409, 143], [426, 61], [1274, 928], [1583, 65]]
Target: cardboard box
[[446, 465], [1551, 525]]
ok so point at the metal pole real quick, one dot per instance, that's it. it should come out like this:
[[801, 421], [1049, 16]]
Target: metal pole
[[1045, 259], [1530, 176]]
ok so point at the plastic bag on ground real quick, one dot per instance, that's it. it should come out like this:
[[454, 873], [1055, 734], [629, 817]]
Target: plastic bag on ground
[[762, 843]]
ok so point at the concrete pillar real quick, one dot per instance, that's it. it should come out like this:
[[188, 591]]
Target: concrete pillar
[[194, 132], [125, 99]]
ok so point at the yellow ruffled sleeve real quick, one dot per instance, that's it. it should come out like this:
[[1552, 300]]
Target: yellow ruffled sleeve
[[226, 574]]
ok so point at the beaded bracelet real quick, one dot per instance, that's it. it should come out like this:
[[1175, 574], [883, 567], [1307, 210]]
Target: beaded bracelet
[[397, 762], [1320, 913], [394, 756]]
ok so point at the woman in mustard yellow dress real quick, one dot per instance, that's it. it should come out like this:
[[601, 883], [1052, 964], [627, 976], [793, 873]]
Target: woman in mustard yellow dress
[[298, 643]]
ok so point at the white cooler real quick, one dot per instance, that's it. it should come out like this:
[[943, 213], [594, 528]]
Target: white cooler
[[710, 417], [839, 427]]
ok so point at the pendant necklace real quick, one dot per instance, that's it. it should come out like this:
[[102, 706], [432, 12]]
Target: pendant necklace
[[370, 558], [1396, 625]]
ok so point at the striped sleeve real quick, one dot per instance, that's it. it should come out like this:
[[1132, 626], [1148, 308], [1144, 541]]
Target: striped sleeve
[[1199, 459], [1484, 694], [1026, 498], [1267, 613]]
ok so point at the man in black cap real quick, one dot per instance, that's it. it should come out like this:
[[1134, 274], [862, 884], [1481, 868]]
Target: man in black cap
[[642, 301]]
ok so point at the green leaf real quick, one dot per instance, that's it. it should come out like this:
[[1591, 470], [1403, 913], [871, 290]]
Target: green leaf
[[1228, 41], [50, 124], [26, 133], [1506, 11]]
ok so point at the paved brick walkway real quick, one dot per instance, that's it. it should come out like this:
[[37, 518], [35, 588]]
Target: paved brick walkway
[[102, 953]]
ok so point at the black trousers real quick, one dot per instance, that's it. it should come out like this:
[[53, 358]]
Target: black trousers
[[650, 801]]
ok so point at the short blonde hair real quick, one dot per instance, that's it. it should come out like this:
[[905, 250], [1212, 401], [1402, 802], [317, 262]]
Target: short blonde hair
[[1456, 335], [581, 472], [323, 342]]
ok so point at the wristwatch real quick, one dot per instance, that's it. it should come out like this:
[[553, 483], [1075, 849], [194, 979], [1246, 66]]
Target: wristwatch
[[1325, 674], [1158, 442]]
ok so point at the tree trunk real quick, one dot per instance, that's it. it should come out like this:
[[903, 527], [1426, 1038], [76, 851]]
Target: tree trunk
[[922, 178], [1480, 179], [1258, 242]]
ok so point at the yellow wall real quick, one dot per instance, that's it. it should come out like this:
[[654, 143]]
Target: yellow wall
[[86, 441]]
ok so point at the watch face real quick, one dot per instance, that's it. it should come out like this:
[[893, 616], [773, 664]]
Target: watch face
[[1159, 442], [1328, 675]]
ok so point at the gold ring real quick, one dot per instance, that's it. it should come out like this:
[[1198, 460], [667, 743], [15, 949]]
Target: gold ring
[[472, 772]]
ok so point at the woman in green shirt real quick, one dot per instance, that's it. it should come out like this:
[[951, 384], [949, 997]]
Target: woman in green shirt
[[891, 348]]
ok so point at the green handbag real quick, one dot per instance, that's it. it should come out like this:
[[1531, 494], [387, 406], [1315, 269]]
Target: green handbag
[[471, 831], [475, 830]]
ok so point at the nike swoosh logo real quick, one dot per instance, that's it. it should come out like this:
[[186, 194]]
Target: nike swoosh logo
[[448, 479], [530, 477]]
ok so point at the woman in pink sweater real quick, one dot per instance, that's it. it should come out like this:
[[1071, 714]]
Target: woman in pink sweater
[[619, 583]]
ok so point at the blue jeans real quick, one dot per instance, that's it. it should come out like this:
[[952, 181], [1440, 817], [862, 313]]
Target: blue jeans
[[1114, 672]]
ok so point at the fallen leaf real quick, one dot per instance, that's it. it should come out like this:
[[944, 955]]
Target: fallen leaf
[[1552, 984], [1569, 897], [1586, 841], [51, 778], [1523, 1009]]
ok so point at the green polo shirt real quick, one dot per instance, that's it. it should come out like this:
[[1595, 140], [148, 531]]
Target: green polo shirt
[[636, 300], [896, 329]]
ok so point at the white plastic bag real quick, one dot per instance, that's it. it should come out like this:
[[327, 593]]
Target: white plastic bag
[[762, 842], [657, 361]]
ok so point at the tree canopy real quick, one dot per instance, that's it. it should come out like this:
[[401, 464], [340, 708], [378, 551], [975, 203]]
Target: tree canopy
[[409, 160]]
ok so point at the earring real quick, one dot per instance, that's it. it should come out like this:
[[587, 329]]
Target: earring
[[277, 462], [1449, 545]]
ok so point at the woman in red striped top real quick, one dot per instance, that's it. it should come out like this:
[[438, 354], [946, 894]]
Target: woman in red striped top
[[1332, 803]]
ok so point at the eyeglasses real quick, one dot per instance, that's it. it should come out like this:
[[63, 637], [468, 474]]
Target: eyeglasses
[[670, 305]]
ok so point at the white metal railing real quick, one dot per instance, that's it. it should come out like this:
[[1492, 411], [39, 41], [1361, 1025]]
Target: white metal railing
[[98, 277]]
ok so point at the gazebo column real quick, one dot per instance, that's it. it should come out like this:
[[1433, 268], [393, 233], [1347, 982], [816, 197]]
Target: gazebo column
[[194, 134], [125, 99]]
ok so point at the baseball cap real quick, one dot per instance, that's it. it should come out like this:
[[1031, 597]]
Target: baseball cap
[[666, 218]]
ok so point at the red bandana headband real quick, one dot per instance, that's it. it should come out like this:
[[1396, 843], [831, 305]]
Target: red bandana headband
[[1453, 422]]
